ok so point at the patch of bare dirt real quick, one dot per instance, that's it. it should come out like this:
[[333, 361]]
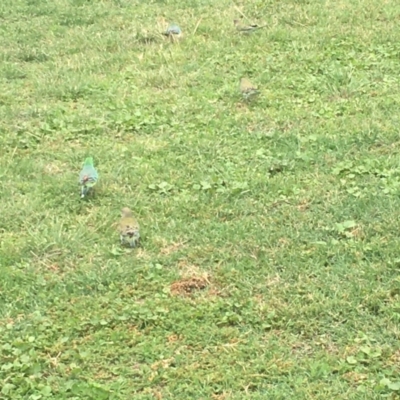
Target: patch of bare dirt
[[189, 285]]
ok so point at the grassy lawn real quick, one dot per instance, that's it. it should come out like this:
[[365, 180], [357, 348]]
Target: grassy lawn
[[269, 263]]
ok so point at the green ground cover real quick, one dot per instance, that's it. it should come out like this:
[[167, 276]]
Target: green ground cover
[[269, 262]]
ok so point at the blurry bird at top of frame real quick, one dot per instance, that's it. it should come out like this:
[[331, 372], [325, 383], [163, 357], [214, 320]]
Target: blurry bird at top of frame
[[246, 28], [88, 177], [174, 32], [128, 228], [247, 89]]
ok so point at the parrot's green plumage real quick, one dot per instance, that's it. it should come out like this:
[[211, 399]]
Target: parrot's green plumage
[[88, 176], [174, 32], [247, 89], [128, 228], [173, 29]]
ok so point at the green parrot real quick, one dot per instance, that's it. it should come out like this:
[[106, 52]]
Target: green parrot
[[173, 29], [247, 89], [88, 177], [174, 32], [128, 228]]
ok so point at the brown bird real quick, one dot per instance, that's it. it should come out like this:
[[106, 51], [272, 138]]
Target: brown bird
[[247, 89], [128, 228]]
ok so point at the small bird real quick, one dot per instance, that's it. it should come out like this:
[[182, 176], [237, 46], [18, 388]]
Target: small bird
[[246, 28], [88, 177], [173, 31], [247, 89], [128, 228]]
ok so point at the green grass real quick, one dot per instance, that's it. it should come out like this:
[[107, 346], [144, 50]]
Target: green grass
[[287, 207]]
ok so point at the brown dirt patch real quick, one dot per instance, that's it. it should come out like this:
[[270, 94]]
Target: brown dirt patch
[[189, 285]]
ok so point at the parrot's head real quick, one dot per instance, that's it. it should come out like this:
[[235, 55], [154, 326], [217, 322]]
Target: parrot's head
[[244, 83], [126, 212]]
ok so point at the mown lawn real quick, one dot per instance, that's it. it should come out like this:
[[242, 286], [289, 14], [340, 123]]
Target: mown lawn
[[269, 262]]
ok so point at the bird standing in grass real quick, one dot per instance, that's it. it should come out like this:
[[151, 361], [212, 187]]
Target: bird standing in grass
[[173, 31], [246, 28], [88, 177], [247, 89], [128, 228]]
